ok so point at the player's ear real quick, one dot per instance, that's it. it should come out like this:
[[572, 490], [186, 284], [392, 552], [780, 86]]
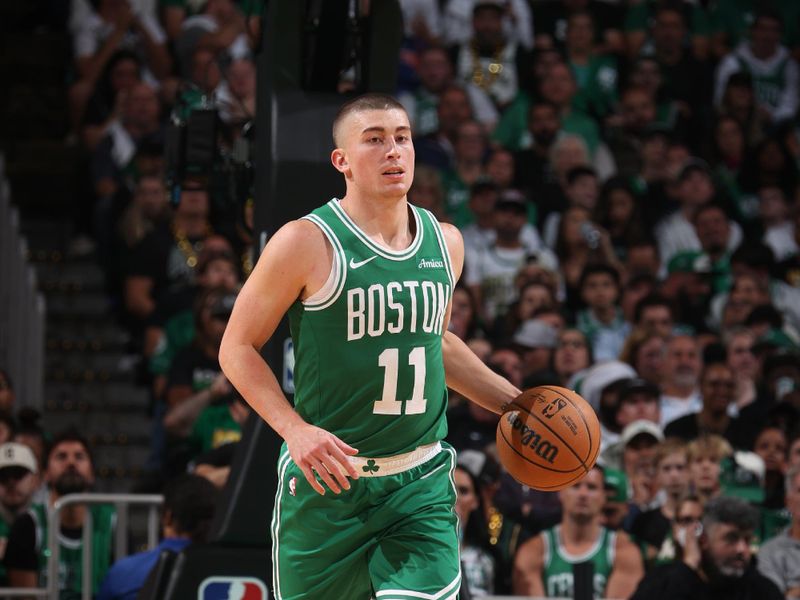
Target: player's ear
[[339, 160]]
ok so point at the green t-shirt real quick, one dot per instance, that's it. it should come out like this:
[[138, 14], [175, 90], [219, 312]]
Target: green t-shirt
[[597, 85], [178, 334], [735, 17], [215, 427], [697, 261], [639, 16], [4, 529], [512, 130]]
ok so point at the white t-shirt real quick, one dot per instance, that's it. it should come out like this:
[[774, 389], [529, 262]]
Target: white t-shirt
[[673, 407]]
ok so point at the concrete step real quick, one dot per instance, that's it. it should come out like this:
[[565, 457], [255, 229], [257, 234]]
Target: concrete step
[[89, 332], [69, 277], [131, 423], [99, 395], [91, 304], [118, 364]]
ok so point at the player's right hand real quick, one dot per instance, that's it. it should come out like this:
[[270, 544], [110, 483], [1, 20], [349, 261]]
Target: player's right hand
[[315, 450]]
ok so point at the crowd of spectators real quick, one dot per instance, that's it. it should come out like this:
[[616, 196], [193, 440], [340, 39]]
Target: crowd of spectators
[[625, 176]]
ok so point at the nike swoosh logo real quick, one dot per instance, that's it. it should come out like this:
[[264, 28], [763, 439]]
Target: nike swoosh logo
[[361, 263]]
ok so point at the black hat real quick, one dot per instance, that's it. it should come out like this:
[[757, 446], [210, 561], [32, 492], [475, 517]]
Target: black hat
[[512, 200], [482, 184], [635, 385]]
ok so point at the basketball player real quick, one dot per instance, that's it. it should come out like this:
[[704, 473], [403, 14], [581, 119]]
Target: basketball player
[[365, 495], [543, 566]]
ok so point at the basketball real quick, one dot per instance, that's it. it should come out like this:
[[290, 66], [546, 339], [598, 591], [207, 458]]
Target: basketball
[[548, 438]]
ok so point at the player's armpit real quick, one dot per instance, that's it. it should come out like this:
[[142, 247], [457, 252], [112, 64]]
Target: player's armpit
[[628, 569], [528, 565]]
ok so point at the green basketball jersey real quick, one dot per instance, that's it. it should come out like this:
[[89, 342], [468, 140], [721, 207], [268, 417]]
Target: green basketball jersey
[[70, 567], [368, 345], [557, 573]]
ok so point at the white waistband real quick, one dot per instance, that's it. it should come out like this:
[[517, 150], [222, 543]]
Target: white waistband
[[391, 465]]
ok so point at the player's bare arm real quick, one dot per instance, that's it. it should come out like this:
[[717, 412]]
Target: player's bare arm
[[628, 569], [294, 264], [528, 565], [466, 373]]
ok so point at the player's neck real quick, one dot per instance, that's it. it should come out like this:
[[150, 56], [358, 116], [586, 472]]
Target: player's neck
[[385, 220], [579, 532]]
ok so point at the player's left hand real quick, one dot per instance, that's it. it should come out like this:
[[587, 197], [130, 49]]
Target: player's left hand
[[315, 450]]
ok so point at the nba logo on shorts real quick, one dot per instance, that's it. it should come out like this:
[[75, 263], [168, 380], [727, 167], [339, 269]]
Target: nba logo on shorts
[[232, 588]]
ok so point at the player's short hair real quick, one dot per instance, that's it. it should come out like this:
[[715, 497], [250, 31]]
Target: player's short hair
[[370, 101]]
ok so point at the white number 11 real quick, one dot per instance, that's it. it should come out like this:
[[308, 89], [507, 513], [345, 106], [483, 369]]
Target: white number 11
[[389, 404]]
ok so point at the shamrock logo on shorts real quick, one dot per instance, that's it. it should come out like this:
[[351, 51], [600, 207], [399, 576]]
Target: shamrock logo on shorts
[[370, 467]]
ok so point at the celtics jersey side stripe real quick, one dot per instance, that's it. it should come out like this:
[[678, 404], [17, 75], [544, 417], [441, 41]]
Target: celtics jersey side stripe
[[437, 228], [380, 250], [283, 464], [339, 267]]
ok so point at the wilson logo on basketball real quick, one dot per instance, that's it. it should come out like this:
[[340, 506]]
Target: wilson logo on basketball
[[529, 437]]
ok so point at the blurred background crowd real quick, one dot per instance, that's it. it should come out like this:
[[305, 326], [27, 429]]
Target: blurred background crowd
[[625, 176]]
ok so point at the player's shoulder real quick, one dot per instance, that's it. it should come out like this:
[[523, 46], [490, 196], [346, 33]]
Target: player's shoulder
[[533, 547], [299, 235], [452, 234]]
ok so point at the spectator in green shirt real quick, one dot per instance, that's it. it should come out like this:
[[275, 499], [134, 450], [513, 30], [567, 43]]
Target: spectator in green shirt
[[595, 73], [641, 15]]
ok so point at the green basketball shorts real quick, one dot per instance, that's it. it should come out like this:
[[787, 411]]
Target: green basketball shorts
[[391, 536]]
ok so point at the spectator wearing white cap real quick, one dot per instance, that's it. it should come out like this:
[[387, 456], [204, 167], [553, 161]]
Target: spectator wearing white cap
[[635, 455], [18, 482], [535, 340]]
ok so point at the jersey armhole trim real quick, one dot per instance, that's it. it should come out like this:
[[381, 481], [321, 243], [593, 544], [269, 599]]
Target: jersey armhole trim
[[546, 550], [442, 246], [612, 547], [334, 285]]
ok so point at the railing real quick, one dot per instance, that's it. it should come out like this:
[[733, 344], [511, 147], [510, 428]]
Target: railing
[[22, 307], [122, 502]]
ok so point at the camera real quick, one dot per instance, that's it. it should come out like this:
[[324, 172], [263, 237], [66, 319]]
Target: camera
[[198, 143]]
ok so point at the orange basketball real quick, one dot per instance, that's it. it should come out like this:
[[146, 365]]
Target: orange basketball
[[548, 438]]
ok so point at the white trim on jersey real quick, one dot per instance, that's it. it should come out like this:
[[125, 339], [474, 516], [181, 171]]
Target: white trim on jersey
[[322, 300], [276, 524], [443, 247], [380, 250], [576, 558]]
